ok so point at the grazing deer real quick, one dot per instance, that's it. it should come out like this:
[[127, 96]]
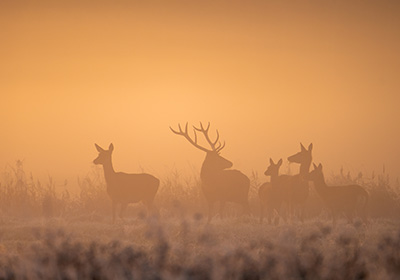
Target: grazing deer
[[340, 199], [273, 194], [218, 184], [124, 188], [299, 183]]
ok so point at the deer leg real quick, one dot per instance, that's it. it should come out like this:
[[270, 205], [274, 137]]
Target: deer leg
[[289, 209], [271, 215], [122, 210], [283, 210], [279, 213], [276, 218], [210, 210], [151, 209], [148, 205], [113, 206], [261, 211], [301, 213], [293, 212], [221, 208], [364, 214], [274, 213], [350, 216], [246, 208], [334, 218]]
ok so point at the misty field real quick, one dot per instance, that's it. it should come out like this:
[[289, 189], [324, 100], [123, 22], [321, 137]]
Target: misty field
[[49, 232]]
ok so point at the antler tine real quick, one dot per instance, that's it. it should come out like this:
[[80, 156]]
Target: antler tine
[[186, 128], [216, 140], [186, 135], [195, 135], [220, 147], [180, 132], [208, 126], [205, 132], [202, 128], [174, 131]]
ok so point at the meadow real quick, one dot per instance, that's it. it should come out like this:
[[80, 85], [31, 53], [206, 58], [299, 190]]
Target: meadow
[[48, 232]]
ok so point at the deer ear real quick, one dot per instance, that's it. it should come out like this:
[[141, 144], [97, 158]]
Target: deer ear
[[98, 148], [320, 166], [310, 147], [111, 147], [271, 161], [302, 147], [280, 162]]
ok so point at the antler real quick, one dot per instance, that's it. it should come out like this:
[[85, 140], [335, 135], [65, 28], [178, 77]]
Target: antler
[[186, 135], [212, 144]]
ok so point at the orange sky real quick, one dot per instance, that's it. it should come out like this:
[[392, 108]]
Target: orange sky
[[267, 74]]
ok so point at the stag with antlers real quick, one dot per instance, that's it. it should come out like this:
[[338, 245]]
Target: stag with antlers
[[219, 184]]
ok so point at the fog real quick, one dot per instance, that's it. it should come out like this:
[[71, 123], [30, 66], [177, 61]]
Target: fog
[[266, 74]]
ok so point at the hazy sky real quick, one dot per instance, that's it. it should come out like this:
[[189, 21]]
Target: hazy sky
[[267, 74]]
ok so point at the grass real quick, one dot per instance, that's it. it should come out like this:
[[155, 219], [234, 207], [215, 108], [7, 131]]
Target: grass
[[188, 248], [23, 196], [51, 234]]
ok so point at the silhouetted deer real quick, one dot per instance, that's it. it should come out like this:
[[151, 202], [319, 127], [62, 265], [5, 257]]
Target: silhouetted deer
[[124, 188], [299, 183], [340, 199], [274, 194], [218, 184]]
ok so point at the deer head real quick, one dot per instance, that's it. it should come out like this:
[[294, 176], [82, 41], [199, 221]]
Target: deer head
[[304, 156], [273, 169], [104, 156], [316, 174], [213, 160]]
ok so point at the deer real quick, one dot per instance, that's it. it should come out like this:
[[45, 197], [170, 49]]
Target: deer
[[124, 188], [345, 199], [273, 194], [299, 190], [218, 183]]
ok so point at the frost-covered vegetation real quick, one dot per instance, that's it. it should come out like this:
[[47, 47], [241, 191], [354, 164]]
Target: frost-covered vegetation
[[187, 248], [49, 233]]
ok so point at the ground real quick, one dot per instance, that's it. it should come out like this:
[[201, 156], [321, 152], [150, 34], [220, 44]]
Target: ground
[[187, 247]]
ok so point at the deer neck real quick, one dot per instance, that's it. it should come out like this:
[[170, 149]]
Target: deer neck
[[319, 183], [274, 179], [208, 172], [305, 169], [109, 172]]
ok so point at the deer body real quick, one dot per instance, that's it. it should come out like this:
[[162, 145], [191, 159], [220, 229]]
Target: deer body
[[226, 186], [124, 188], [218, 184], [273, 194], [120, 187], [299, 190], [340, 199]]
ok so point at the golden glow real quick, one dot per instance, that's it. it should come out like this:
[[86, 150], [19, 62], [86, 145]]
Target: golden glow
[[267, 74]]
